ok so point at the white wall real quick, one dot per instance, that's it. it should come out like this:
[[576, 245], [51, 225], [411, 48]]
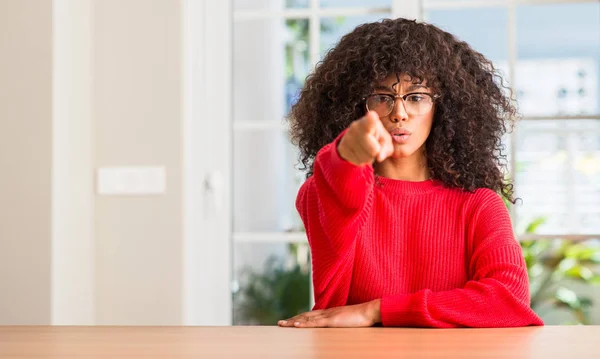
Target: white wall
[[100, 83], [137, 121], [25, 159]]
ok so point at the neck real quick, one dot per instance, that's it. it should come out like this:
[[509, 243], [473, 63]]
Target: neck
[[412, 168]]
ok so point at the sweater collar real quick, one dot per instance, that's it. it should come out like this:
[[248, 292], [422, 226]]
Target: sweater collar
[[407, 187]]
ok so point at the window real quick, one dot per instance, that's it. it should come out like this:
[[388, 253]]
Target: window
[[554, 151], [555, 73], [276, 45]]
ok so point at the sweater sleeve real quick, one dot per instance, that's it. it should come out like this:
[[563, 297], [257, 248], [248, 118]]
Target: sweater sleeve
[[497, 295], [333, 205]]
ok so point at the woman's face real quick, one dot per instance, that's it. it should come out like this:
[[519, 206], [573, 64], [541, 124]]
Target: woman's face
[[408, 121]]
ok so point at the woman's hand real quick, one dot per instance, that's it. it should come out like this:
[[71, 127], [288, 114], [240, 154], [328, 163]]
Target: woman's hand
[[365, 141], [351, 316]]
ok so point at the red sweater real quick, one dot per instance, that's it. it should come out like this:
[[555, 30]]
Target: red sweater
[[435, 256]]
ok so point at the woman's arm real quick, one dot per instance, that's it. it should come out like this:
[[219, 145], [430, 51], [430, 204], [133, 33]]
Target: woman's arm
[[337, 198], [335, 202]]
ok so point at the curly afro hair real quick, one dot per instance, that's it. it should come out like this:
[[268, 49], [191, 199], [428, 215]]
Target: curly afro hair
[[464, 148]]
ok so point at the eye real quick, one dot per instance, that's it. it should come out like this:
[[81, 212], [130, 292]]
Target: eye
[[382, 98], [415, 98]]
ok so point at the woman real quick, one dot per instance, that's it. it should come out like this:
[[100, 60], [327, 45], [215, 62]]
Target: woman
[[400, 129]]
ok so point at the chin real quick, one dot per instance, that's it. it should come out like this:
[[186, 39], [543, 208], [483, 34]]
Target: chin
[[405, 150], [402, 153]]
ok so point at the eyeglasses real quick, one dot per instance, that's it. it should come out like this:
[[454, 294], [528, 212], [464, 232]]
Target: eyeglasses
[[415, 103]]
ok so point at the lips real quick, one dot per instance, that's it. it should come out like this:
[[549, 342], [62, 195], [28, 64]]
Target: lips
[[400, 135]]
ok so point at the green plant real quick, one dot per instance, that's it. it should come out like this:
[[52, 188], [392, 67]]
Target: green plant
[[552, 264], [281, 290]]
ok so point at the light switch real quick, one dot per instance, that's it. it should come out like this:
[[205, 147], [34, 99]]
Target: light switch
[[131, 180]]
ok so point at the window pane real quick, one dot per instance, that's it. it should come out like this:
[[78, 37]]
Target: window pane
[[296, 4], [297, 61], [506, 151], [356, 3], [558, 59], [333, 28], [271, 282], [268, 4], [558, 175], [265, 181], [485, 29], [270, 63], [462, 2]]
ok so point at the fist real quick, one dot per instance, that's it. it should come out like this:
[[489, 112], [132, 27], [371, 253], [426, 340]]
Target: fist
[[366, 141]]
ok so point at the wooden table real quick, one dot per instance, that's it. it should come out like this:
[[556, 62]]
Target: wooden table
[[273, 342]]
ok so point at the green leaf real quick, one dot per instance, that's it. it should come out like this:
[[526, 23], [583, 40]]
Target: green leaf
[[567, 264], [585, 301], [535, 271], [582, 251], [580, 272], [533, 226], [595, 280], [506, 201], [340, 20], [567, 297], [525, 244]]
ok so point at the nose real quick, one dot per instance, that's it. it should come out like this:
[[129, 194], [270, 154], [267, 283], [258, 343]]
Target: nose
[[399, 112]]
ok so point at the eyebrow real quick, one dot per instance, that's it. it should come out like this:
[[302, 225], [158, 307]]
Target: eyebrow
[[411, 88], [417, 86]]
